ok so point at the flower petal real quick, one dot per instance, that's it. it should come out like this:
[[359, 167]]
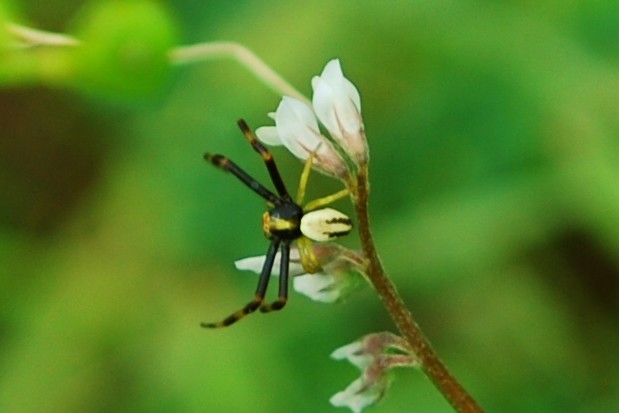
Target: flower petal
[[355, 353], [337, 102], [332, 74], [297, 127], [318, 287], [268, 135], [359, 395], [256, 263]]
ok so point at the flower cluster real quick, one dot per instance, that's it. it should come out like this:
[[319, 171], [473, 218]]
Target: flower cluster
[[337, 105], [375, 355]]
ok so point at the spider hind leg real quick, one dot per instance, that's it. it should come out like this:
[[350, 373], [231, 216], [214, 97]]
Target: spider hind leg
[[282, 297], [236, 316], [261, 289]]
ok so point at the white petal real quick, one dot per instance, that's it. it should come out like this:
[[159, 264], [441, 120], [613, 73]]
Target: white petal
[[268, 135], [297, 127], [324, 107], [357, 396], [254, 264], [318, 287], [344, 351], [336, 101], [355, 353], [333, 75]]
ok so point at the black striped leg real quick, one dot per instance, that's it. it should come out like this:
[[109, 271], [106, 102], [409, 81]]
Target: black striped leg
[[282, 297], [261, 290], [227, 165], [267, 157]]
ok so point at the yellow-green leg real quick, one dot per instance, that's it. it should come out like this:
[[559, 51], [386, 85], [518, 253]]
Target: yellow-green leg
[[308, 256], [304, 178], [320, 202]]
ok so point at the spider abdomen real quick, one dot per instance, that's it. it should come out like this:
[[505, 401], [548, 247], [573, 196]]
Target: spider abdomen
[[325, 224]]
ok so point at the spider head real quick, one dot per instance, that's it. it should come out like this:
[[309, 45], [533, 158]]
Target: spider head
[[283, 221], [325, 224]]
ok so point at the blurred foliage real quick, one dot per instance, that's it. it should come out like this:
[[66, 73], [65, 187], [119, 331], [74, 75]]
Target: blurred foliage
[[494, 133], [127, 48]]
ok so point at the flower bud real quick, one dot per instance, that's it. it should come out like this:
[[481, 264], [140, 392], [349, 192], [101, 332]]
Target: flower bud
[[337, 104], [375, 355]]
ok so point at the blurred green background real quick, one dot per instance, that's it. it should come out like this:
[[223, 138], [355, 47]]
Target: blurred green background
[[494, 135]]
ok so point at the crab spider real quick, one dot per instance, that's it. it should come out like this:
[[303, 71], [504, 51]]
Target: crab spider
[[284, 222]]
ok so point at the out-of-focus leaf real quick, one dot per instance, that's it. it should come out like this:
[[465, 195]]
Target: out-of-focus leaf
[[124, 51]]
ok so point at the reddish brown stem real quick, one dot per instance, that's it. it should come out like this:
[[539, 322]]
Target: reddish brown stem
[[433, 367]]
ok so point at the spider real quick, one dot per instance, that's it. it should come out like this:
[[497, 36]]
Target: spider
[[284, 222]]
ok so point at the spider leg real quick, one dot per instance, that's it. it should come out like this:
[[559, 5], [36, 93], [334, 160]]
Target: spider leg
[[308, 256], [282, 297], [267, 157], [317, 203], [307, 168], [263, 283], [228, 165], [320, 202]]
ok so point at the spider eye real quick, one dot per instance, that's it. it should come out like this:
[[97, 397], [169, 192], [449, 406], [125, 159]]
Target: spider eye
[[325, 224]]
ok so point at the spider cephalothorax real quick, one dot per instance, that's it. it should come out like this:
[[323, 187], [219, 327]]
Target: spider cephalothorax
[[285, 221]]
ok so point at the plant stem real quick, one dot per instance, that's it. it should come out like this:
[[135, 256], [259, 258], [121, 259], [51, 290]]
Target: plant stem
[[242, 55], [33, 37], [430, 363]]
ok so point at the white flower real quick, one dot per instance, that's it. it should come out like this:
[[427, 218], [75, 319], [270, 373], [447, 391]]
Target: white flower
[[358, 395], [337, 104], [297, 129]]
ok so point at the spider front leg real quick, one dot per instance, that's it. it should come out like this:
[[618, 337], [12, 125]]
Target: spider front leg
[[309, 261], [267, 157], [320, 202], [226, 164], [317, 203], [282, 297], [263, 283]]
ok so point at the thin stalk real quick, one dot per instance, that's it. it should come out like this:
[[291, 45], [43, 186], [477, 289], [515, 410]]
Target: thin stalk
[[429, 362], [242, 55], [27, 36]]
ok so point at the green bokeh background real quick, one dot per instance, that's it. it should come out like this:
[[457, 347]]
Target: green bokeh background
[[494, 132]]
